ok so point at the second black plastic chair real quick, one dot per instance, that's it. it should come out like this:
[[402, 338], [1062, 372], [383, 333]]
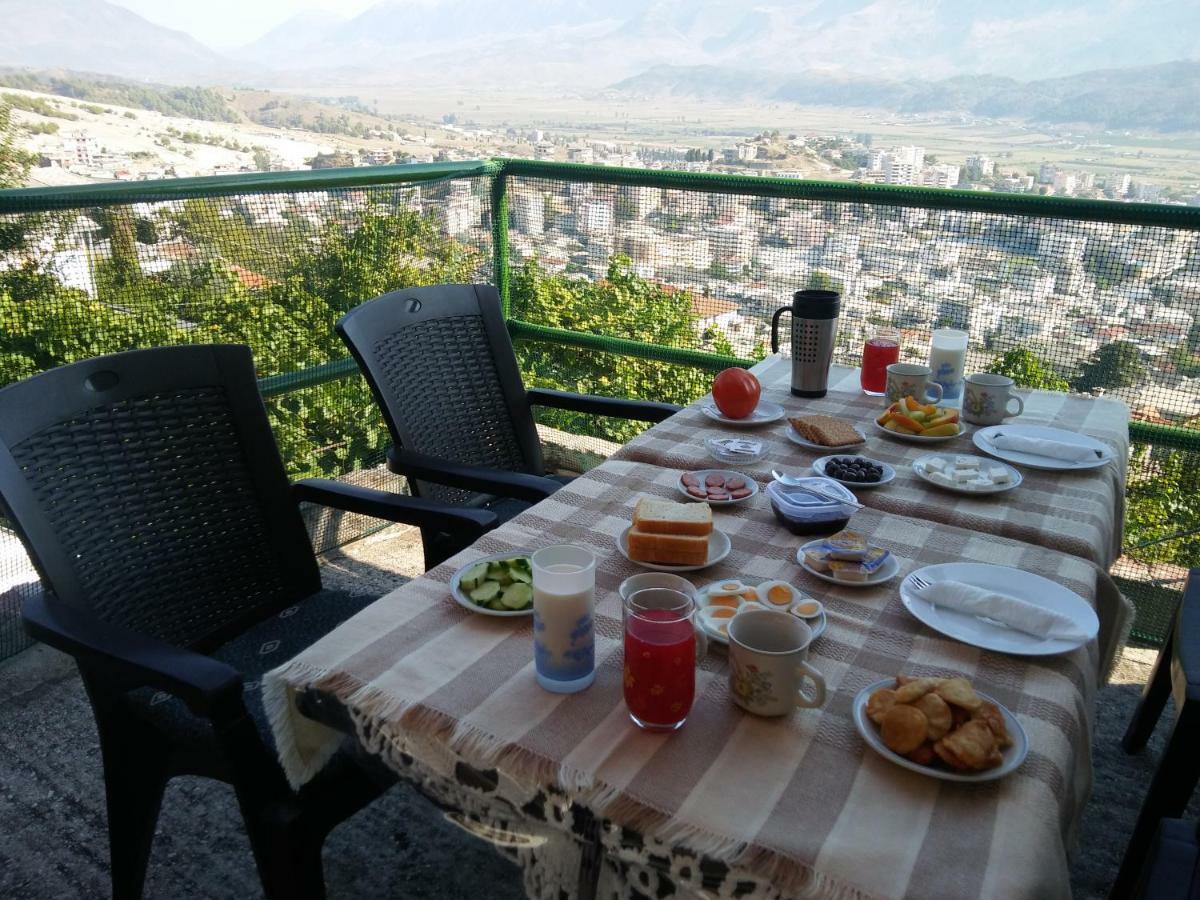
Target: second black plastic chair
[[442, 367]]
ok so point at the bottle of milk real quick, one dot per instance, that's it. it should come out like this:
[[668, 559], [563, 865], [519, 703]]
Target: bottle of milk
[[948, 358], [564, 598]]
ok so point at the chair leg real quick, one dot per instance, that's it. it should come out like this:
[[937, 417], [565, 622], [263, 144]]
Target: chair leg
[[134, 780], [1154, 698], [1170, 790], [288, 856]]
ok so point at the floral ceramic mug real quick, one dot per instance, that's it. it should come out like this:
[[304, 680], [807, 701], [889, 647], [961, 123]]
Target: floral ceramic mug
[[987, 398], [768, 666], [912, 380]]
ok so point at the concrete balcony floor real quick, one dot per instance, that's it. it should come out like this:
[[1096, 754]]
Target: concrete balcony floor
[[52, 797]]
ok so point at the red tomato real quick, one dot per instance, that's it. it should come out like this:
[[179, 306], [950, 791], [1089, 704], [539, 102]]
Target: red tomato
[[736, 392]]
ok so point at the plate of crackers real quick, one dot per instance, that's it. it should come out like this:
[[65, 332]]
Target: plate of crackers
[[823, 432], [940, 727]]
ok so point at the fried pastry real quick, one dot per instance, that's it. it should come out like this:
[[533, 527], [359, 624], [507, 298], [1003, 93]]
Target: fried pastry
[[905, 728], [990, 714], [957, 691], [915, 689], [973, 746], [879, 703], [924, 754], [938, 713]]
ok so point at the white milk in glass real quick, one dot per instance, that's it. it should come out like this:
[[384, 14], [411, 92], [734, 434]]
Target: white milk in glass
[[947, 358], [564, 591]]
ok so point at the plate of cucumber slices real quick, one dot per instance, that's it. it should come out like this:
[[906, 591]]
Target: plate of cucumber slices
[[500, 585]]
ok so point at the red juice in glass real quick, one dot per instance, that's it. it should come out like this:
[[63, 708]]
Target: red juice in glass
[[660, 667], [879, 352]]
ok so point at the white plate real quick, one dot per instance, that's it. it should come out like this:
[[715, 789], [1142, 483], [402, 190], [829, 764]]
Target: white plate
[[888, 472], [1013, 756], [763, 414], [463, 600], [917, 438], [727, 473], [887, 571], [795, 438], [818, 624], [1014, 477], [718, 548], [991, 635], [983, 440]]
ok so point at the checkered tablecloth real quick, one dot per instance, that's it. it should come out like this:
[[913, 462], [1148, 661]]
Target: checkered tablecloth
[[796, 807], [1079, 512]]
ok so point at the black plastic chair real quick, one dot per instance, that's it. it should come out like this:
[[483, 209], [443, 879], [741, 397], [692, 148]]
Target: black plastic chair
[[1177, 671], [441, 365], [1172, 868], [150, 494]]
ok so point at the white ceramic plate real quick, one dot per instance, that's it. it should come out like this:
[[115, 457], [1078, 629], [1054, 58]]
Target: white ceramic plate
[[463, 600], [919, 439], [983, 440], [991, 635], [725, 473], [887, 571], [817, 624], [1014, 477], [795, 438], [1013, 756], [763, 414], [888, 472], [718, 548]]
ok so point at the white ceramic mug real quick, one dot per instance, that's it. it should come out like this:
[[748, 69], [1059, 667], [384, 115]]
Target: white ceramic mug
[[987, 399], [767, 663], [912, 380]]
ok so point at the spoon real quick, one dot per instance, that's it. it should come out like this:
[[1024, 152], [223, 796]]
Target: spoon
[[797, 481]]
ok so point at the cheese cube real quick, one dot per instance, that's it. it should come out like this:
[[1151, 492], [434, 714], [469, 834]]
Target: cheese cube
[[966, 462], [981, 482], [935, 464], [964, 475], [941, 478], [999, 475]]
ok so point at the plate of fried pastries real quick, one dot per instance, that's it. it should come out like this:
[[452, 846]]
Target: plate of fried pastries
[[940, 727]]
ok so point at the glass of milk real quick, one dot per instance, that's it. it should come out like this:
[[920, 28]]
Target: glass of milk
[[564, 599], [947, 358]]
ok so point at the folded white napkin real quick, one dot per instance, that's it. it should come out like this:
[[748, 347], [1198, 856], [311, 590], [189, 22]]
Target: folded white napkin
[[1013, 612], [1043, 447]]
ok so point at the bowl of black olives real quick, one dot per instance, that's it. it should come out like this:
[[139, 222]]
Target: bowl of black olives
[[856, 471]]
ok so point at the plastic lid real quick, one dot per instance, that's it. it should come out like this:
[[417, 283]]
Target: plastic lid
[[814, 304], [799, 504]]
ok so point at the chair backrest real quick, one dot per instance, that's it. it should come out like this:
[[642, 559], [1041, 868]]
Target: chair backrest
[[441, 365], [148, 488]]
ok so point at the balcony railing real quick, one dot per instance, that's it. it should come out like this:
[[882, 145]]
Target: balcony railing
[[626, 282]]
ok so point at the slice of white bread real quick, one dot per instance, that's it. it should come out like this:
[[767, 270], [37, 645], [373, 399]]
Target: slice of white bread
[[653, 516], [668, 549]]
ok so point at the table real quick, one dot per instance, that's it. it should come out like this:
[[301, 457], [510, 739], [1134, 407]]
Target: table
[[791, 807], [1076, 512]]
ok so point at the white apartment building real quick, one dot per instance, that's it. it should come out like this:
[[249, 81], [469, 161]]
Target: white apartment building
[[580, 154], [595, 219], [942, 176], [900, 172], [530, 211], [980, 166], [747, 152], [1063, 182]]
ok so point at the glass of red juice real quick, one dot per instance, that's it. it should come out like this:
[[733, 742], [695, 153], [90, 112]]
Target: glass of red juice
[[880, 351], [662, 645]]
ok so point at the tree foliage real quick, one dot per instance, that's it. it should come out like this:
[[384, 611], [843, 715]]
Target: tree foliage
[[1025, 368], [1114, 365], [14, 162]]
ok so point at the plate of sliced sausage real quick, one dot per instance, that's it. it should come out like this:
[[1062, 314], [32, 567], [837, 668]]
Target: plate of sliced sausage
[[718, 487]]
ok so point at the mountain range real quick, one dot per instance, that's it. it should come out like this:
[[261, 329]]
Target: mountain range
[[903, 54]]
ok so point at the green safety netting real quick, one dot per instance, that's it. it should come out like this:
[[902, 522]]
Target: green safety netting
[[622, 282]]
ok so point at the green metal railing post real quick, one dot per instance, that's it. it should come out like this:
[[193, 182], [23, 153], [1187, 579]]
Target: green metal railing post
[[500, 240]]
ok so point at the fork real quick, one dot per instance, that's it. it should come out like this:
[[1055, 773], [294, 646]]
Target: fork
[[918, 582]]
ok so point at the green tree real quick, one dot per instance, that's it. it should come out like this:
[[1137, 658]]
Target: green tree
[[1114, 365], [14, 162], [823, 281], [1025, 368]]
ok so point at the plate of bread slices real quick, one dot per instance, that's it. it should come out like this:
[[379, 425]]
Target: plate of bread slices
[[673, 537]]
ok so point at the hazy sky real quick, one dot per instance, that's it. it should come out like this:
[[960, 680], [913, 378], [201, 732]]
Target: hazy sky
[[223, 24]]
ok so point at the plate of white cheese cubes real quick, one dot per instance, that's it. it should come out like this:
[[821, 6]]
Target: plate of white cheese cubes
[[966, 474]]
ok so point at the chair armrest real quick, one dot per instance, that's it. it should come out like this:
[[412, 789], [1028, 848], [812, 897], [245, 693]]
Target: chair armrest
[[200, 681], [519, 485], [395, 507], [638, 410]]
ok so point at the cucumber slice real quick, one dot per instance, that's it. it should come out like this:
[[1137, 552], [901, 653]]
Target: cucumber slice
[[520, 576], [517, 596], [497, 605], [473, 577], [489, 590]]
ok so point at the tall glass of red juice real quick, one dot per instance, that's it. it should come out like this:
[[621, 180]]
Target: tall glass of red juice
[[660, 657], [880, 351]]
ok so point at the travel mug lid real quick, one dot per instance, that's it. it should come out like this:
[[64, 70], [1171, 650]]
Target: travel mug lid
[[815, 304]]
